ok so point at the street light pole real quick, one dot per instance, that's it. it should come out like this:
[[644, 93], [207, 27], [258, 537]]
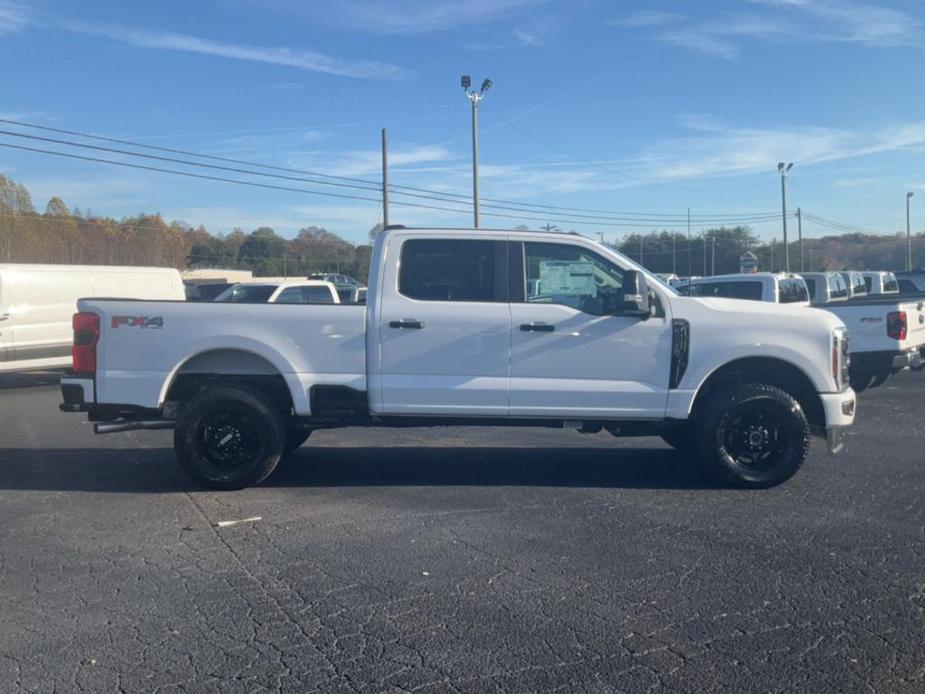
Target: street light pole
[[800, 235], [475, 97], [908, 233], [782, 170], [690, 248]]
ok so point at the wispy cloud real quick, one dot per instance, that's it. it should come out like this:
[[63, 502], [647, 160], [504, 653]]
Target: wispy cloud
[[312, 61], [13, 17], [782, 21], [368, 161], [536, 32], [859, 22], [420, 16], [648, 18], [738, 151]]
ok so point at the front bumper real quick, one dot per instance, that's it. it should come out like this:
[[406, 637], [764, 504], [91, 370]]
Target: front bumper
[[839, 410]]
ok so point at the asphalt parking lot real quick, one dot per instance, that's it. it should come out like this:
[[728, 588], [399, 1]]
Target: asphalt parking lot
[[458, 560]]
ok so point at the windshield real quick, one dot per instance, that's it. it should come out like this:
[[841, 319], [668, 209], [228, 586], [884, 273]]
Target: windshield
[[247, 294]]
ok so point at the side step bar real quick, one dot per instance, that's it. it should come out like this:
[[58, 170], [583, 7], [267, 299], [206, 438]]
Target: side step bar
[[114, 427]]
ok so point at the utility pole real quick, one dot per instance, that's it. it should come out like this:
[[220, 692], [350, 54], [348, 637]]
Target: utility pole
[[690, 248], [475, 97], [783, 170], [640, 248], [800, 235], [704, 255], [385, 179], [674, 252], [712, 255], [771, 265], [908, 233]]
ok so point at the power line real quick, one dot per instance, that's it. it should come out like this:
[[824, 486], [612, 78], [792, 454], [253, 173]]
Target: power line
[[366, 184], [574, 218], [290, 189], [531, 211]]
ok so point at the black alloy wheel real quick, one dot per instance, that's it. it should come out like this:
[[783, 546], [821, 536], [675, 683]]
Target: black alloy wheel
[[230, 436], [754, 436]]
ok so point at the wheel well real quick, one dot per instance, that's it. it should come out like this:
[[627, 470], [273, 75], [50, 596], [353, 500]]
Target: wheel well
[[772, 372], [228, 367]]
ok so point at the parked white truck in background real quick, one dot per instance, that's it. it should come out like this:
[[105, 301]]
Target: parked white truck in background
[[272, 291], [38, 301], [471, 327], [775, 287], [887, 334]]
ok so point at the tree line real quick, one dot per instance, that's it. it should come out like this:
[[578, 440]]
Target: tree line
[[718, 251], [64, 235], [73, 236]]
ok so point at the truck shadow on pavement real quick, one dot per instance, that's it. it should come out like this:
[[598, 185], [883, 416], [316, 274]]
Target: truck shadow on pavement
[[30, 379], [155, 470]]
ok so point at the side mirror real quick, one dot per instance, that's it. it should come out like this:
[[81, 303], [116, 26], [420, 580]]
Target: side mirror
[[635, 296]]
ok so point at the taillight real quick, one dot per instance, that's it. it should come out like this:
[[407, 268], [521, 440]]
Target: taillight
[[896, 325], [86, 337]]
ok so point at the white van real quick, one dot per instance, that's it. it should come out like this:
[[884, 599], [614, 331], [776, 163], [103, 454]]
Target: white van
[[37, 302]]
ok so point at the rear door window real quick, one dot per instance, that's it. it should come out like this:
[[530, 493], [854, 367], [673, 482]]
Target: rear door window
[[453, 270]]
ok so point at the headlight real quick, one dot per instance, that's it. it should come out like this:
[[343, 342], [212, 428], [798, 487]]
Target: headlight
[[841, 357]]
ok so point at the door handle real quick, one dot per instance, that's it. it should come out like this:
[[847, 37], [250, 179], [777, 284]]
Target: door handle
[[406, 323], [4, 316], [537, 327]]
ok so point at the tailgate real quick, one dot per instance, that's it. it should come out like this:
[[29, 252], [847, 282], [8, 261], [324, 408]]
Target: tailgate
[[915, 323]]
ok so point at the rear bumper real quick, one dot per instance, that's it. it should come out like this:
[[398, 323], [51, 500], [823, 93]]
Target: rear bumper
[[889, 361], [77, 394], [839, 409]]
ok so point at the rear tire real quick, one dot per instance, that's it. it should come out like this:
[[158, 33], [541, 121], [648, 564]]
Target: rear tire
[[230, 437], [753, 436], [295, 438]]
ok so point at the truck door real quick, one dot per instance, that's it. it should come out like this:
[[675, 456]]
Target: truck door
[[569, 355], [444, 327]]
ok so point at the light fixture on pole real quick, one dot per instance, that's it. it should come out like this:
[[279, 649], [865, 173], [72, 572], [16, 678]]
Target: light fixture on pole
[[783, 170], [908, 233], [475, 97]]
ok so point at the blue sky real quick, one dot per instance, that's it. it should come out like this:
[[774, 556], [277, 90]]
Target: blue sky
[[642, 107]]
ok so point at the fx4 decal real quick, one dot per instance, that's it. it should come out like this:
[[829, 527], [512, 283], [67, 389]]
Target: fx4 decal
[[143, 322]]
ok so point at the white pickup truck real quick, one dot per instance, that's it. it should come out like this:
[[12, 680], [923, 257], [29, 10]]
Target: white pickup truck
[[470, 327], [887, 335]]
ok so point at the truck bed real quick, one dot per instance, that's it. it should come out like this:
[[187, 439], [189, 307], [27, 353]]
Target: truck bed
[[307, 344]]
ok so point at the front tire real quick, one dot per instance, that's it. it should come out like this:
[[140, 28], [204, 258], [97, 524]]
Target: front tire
[[229, 437], [681, 436], [754, 436]]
